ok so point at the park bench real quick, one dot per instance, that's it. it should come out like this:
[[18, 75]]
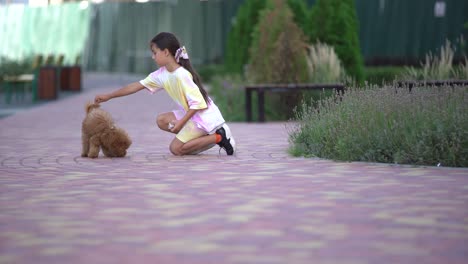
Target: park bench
[[11, 85], [19, 84], [261, 89]]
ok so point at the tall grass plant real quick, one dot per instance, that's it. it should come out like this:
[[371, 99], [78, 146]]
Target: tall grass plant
[[324, 65], [439, 66]]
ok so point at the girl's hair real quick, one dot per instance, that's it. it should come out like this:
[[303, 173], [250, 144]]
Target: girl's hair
[[166, 40]]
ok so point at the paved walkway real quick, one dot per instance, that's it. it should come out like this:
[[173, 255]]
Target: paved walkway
[[260, 206]]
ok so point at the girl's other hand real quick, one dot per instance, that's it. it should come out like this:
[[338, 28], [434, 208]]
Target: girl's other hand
[[174, 126], [101, 98]]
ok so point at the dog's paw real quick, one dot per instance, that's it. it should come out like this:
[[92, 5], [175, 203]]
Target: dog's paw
[[93, 156], [84, 155]]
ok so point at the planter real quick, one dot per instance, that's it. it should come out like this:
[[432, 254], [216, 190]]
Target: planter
[[70, 78], [47, 83]]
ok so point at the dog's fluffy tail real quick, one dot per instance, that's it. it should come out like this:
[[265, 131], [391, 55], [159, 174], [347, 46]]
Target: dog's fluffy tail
[[90, 106]]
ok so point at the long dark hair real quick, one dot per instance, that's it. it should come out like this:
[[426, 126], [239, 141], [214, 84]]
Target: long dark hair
[[169, 41]]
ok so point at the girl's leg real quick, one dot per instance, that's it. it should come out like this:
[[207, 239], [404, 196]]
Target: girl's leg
[[195, 139], [193, 146]]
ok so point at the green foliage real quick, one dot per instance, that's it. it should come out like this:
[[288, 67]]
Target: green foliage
[[277, 54], [426, 126], [207, 72], [300, 13], [383, 74], [228, 94], [10, 67], [335, 23], [241, 34], [277, 37]]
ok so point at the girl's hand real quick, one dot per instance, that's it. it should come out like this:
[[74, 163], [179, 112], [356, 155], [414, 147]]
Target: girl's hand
[[101, 98], [175, 126]]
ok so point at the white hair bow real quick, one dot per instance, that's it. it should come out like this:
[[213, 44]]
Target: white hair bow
[[181, 53]]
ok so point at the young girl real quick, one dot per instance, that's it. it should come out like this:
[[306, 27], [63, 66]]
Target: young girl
[[198, 124]]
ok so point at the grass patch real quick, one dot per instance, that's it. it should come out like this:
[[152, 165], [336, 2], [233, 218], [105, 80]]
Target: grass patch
[[228, 94], [384, 74], [426, 126]]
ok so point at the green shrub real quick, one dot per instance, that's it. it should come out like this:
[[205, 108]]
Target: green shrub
[[278, 55], [335, 23], [426, 126], [241, 34], [383, 74], [207, 72]]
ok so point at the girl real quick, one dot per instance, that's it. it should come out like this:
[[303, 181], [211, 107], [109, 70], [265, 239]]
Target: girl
[[198, 124]]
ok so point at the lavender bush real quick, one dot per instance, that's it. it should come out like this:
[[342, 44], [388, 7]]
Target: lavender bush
[[427, 126]]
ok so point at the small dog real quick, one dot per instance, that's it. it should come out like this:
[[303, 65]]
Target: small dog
[[99, 132]]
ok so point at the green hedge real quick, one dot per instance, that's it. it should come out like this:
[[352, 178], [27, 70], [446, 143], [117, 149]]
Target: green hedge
[[383, 74]]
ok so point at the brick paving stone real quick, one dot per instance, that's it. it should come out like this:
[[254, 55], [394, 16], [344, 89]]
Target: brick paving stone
[[260, 206]]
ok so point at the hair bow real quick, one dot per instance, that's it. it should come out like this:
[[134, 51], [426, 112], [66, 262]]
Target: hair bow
[[181, 53]]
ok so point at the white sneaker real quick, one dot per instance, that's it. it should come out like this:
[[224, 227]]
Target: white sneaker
[[227, 141]]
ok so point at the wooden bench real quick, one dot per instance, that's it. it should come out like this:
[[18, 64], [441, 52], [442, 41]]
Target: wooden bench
[[279, 88]]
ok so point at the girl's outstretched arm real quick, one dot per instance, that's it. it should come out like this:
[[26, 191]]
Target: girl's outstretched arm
[[129, 89]]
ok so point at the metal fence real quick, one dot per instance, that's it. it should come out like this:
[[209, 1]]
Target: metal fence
[[114, 36]]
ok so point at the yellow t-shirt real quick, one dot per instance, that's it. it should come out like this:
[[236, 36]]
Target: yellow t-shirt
[[181, 88]]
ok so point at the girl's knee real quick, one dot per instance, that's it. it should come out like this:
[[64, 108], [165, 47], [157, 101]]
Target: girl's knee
[[160, 121], [176, 150]]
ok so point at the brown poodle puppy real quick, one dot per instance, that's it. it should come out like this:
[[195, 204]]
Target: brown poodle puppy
[[99, 132]]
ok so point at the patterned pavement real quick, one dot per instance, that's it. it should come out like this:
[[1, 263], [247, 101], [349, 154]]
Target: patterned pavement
[[260, 206]]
